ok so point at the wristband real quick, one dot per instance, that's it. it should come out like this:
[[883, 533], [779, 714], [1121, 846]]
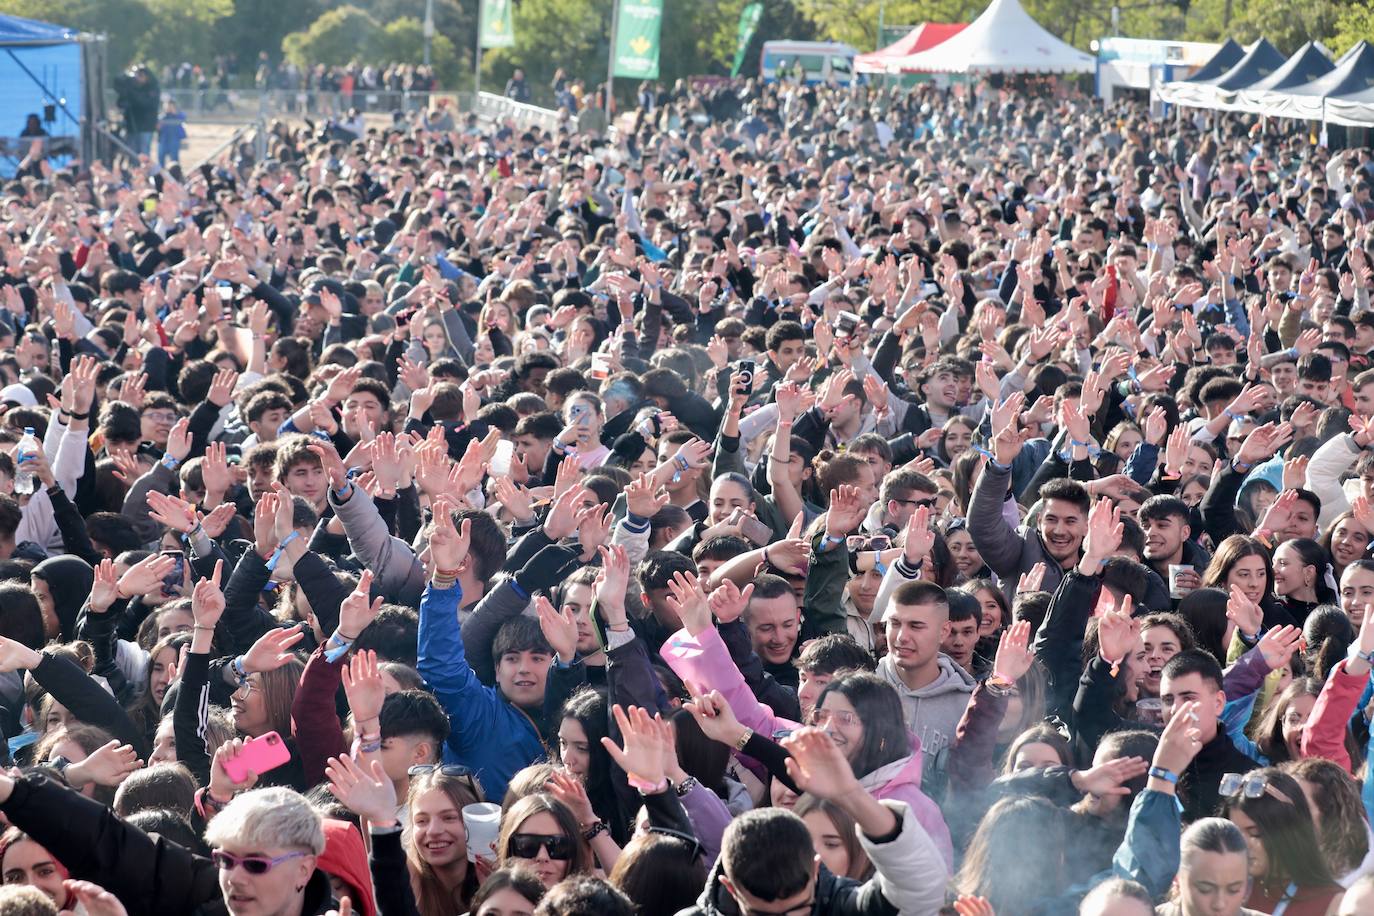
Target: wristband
[[79, 416], [744, 739], [273, 560], [594, 831], [344, 491], [240, 672], [369, 744], [1166, 775], [687, 785], [170, 463], [830, 541], [336, 647]]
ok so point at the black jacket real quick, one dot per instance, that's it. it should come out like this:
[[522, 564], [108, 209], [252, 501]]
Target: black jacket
[[835, 896], [1199, 786], [149, 874]]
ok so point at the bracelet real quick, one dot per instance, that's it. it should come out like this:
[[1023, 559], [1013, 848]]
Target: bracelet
[[1166, 775], [644, 787], [78, 416], [369, 744], [170, 463], [273, 560], [337, 646], [744, 739], [687, 785], [201, 626], [594, 831], [239, 671]]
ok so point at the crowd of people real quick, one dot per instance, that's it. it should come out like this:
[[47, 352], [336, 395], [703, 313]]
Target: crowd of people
[[874, 501]]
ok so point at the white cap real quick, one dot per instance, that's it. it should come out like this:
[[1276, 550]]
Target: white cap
[[19, 394]]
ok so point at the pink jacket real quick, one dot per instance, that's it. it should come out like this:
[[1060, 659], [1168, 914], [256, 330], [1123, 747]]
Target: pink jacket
[[1324, 735], [704, 660]]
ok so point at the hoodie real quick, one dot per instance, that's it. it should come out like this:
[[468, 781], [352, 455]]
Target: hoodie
[[345, 859], [932, 713]]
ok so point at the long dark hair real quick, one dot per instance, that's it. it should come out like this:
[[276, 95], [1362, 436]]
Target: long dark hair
[[660, 873], [1286, 830], [699, 755], [588, 708], [1016, 857], [885, 736], [1313, 554], [1205, 611]]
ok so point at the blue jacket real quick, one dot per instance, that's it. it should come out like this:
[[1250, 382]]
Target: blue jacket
[[490, 735]]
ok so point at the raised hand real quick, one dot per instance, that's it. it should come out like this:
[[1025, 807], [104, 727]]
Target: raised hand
[[817, 766], [728, 602], [1117, 634], [1031, 581], [109, 765], [559, 628], [642, 755], [363, 686], [448, 545], [612, 582], [172, 512], [1105, 531], [145, 577], [15, 656], [1014, 657], [715, 717], [94, 900], [273, 648], [1180, 742], [1244, 613], [846, 511], [1278, 645], [687, 599], [366, 791], [356, 612], [643, 498], [207, 599], [222, 387], [561, 522], [1107, 778], [568, 789]]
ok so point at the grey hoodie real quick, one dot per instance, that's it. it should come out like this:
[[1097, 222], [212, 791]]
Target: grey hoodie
[[933, 712]]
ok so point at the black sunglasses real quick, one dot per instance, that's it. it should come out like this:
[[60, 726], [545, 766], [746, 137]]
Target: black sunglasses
[[445, 769], [527, 845]]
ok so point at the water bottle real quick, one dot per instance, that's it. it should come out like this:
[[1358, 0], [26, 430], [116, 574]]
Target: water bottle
[[24, 453]]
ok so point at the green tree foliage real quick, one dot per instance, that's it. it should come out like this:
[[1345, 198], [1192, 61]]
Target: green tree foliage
[[124, 21], [340, 36], [404, 40]]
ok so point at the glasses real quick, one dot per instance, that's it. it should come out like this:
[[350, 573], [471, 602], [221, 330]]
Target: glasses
[[821, 717], [527, 846], [1250, 785], [857, 542], [451, 770], [163, 416], [254, 865], [928, 502], [698, 850]]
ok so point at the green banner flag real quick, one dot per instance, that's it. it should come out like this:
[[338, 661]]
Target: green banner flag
[[495, 29], [748, 22], [637, 39]]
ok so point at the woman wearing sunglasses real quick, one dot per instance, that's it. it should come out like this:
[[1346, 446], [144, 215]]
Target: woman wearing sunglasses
[[542, 834], [1286, 864]]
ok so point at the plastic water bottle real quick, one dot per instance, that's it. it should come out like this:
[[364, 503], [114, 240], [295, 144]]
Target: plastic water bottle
[[24, 452]]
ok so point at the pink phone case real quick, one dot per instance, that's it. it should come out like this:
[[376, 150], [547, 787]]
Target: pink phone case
[[258, 755]]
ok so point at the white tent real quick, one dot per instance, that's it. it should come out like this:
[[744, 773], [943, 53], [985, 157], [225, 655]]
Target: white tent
[[1004, 39]]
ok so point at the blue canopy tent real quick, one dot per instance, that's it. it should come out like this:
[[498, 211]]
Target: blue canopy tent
[[57, 74]]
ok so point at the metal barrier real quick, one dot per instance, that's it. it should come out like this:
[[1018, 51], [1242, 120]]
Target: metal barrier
[[499, 108], [236, 105]]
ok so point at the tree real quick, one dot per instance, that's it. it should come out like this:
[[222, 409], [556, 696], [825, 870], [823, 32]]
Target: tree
[[122, 20], [1355, 23], [404, 40], [183, 30], [338, 37]]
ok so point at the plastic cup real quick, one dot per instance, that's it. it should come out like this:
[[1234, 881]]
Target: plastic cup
[[1174, 570], [483, 823], [1149, 710]]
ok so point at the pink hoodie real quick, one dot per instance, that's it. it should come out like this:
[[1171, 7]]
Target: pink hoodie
[[706, 661]]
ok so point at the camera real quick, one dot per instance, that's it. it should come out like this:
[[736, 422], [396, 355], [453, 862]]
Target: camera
[[846, 323]]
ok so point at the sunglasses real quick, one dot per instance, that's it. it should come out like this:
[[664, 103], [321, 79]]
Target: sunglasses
[[1250, 785], [444, 769], [928, 502], [857, 542], [527, 845], [698, 850], [254, 865]]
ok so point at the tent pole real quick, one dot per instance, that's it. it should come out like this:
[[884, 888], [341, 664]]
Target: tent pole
[[65, 110]]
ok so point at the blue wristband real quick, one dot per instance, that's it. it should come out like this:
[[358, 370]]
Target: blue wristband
[[1166, 775]]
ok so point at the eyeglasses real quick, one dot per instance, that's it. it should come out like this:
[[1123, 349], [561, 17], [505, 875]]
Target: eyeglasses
[[698, 850], [163, 416], [857, 542], [1250, 785], [821, 717], [527, 846], [254, 865]]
